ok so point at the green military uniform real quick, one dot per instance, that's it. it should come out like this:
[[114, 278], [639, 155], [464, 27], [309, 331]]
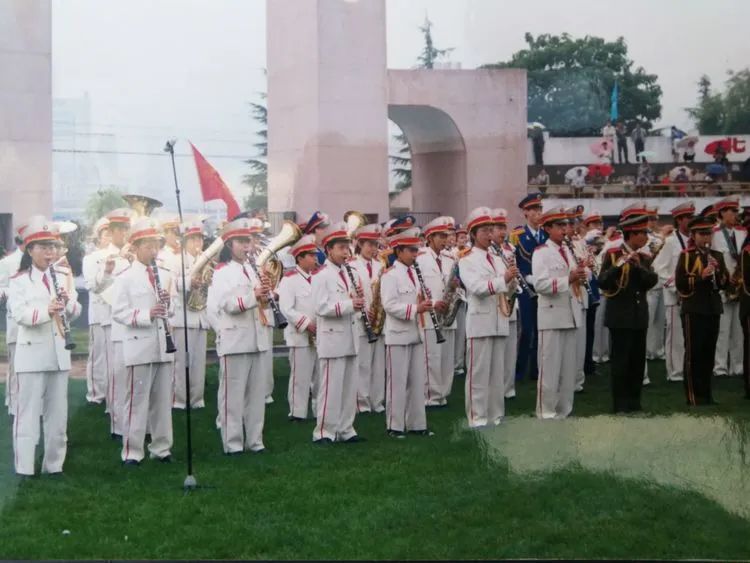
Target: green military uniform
[[701, 311], [625, 283]]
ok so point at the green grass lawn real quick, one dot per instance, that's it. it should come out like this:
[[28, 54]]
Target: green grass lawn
[[443, 497]]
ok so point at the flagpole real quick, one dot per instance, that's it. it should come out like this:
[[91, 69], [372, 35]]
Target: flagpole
[[190, 482]]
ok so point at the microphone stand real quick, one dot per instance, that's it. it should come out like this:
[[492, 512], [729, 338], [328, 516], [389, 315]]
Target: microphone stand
[[190, 482]]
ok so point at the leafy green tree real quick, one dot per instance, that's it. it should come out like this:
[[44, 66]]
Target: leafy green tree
[[401, 162], [570, 83], [102, 202], [257, 179], [725, 113]]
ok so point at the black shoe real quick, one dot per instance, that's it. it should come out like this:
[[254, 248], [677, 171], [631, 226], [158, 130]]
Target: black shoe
[[323, 442], [396, 434], [115, 436], [55, 474], [258, 452], [355, 439], [296, 419], [232, 454], [425, 432], [131, 462], [165, 459]]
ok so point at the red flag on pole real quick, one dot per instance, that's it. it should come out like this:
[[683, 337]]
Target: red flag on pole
[[212, 186]]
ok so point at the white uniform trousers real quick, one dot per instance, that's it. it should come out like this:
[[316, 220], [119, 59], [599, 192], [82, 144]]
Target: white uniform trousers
[[147, 408], [268, 371], [41, 394], [242, 404], [11, 381], [337, 399], [97, 366], [219, 393], [439, 366], [485, 380], [600, 353], [557, 372], [729, 344], [655, 334], [303, 373], [674, 347], [459, 348], [371, 369], [197, 339], [510, 354], [117, 386], [580, 354], [405, 383]]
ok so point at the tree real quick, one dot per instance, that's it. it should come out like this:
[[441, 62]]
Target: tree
[[102, 202], [401, 162], [570, 83], [727, 113], [257, 179]]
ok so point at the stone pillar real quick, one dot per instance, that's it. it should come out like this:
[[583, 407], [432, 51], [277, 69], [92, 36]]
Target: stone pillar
[[327, 107], [25, 108]]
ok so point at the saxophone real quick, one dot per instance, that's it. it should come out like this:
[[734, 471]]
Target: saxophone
[[451, 297], [377, 312]]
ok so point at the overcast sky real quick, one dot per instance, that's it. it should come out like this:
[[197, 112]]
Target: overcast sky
[[188, 68]]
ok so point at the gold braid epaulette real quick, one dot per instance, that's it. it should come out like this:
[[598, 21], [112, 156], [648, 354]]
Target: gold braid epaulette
[[622, 283], [697, 269]]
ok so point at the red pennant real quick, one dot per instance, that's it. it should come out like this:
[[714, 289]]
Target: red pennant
[[212, 186]]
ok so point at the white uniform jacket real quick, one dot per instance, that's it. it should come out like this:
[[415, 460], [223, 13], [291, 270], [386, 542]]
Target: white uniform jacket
[[144, 338], [99, 311], [665, 265], [337, 334], [41, 343], [240, 322], [557, 308], [368, 276], [296, 302], [435, 277], [104, 285], [195, 319], [398, 294], [483, 276], [9, 268]]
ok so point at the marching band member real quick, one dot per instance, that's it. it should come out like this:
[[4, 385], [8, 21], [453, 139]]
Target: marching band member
[[459, 350], [9, 266], [436, 270], [700, 275], [592, 240], [170, 255], [625, 278], [197, 321], [391, 228], [117, 261], [337, 310], [296, 302], [558, 279], [141, 305], [371, 356], [526, 239], [655, 296], [510, 354], [42, 307], [728, 238], [664, 265], [580, 254], [745, 310], [485, 279], [236, 299], [97, 366], [404, 301]]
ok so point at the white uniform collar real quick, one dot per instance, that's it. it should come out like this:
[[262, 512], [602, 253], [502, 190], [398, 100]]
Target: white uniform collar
[[304, 274]]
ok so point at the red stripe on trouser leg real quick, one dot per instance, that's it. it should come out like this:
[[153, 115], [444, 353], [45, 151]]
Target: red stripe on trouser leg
[[471, 381], [390, 389], [541, 373], [294, 379], [325, 402], [130, 416], [426, 367]]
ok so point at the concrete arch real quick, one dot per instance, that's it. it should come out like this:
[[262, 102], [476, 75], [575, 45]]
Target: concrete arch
[[438, 157]]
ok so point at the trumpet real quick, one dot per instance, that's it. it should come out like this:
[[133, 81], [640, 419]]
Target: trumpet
[[279, 320], [371, 336], [171, 349], [433, 317], [69, 344]]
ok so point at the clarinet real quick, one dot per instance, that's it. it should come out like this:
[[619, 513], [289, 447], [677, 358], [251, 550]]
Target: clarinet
[[279, 320], [579, 263], [522, 283], [171, 349], [433, 317], [69, 344], [371, 336]]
